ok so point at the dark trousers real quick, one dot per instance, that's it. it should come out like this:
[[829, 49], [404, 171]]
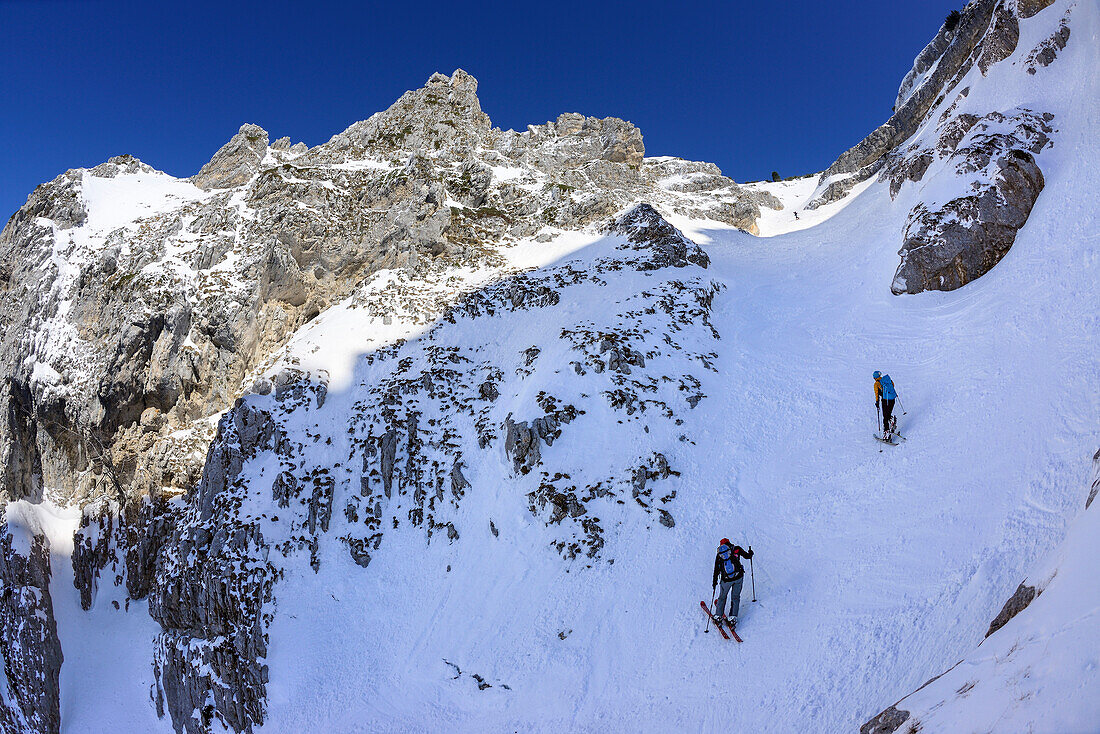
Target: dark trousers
[[887, 411], [732, 589]]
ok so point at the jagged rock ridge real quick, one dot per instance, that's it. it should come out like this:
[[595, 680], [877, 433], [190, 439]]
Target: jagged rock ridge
[[949, 243]]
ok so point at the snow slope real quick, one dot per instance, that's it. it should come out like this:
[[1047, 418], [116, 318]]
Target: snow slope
[[879, 567], [1035, 671]]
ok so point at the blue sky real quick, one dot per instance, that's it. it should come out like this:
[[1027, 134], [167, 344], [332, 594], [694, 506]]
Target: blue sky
[[751, 86]]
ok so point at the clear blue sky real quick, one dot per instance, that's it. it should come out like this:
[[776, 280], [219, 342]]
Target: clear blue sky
[[781, 85]]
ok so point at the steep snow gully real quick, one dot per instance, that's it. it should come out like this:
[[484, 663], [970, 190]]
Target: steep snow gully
[[876, 568]]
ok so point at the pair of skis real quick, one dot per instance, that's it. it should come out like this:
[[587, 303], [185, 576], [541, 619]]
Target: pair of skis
[[718, 623], [888, 440]]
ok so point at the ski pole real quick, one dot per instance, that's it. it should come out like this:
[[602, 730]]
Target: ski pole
[[903, 410], [752, 574], [709, 615], [878, 412]]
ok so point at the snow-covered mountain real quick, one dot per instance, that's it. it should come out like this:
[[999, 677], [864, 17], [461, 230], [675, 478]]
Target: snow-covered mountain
[[437, 425]]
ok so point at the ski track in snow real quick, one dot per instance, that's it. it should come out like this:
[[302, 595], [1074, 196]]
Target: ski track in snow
[[875, 570]]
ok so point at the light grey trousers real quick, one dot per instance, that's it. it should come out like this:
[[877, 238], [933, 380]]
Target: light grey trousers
[[725, 588]]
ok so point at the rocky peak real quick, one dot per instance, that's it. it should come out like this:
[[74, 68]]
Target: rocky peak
[[574, 140], [236, 161], [59, 200], [445, 114], [125, 163]]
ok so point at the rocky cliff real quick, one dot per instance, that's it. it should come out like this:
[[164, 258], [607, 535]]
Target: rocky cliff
[[978, 166], [29, 645], [134, 323]]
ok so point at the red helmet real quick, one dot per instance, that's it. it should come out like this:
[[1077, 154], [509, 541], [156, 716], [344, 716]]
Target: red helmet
[[725, 541]]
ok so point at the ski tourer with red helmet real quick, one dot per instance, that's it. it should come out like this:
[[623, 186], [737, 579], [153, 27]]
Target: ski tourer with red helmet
[[728, 570]]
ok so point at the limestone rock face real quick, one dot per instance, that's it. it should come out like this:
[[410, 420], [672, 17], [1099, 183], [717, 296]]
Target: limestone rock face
[[987, 32], [950, 244], [209, 593], [993, 172], [1046, 51], [575, 140], [887, 722], [1001, 39], [124, 542], [1028, 8], [936, 70], [161, 317], [209, 563], [143, 371], [835, 191], [29, 644], [445, 114], [236, 162], [59, 201]]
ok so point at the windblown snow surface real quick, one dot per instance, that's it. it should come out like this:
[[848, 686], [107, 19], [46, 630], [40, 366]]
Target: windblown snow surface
[[876, 567]]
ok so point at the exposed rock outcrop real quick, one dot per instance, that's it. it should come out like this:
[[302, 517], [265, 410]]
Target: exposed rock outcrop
[[121, 543], [838, 189], [236, 162], [210, 590], [887, 722], [445, 114], [1047, 50], [125, 340], [1095, 488], [667, 246], [29, 646], [950, 244], [1016, 603], [1028, 8], [936, 70], [156, 321], [1000, 42]]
